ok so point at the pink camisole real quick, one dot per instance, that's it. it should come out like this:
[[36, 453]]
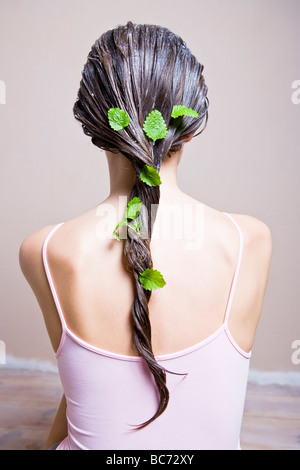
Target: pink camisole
[[107, 394]]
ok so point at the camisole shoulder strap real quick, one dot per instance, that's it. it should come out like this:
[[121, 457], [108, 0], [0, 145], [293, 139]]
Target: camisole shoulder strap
[[49, 277], [58, 306], [237, 270]]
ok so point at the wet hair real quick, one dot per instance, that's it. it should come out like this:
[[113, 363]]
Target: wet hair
[[139, 68]]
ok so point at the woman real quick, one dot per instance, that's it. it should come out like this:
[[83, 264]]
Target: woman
[[152, 329]]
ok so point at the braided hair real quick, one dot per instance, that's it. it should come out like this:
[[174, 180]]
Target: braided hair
[[139, 68]]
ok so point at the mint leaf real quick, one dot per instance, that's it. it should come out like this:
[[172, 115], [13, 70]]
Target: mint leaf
[[118, 119], [133, 208], [132, 211], [116, 236], [155, 127], [134, 228], [183, 111], [150, 176], [138, 226], [152, 279]]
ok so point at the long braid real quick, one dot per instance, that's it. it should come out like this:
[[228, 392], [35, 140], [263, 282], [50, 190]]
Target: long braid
[[138, 258], [139, 68]]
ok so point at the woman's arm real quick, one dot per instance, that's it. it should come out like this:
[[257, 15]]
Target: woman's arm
[[59, 429], [30, 257]]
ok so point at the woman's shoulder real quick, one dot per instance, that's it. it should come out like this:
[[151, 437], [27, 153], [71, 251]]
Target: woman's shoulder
[[253, 227], [31, 248], [256, 235], [30, 252], [75, 241], [256, 257]]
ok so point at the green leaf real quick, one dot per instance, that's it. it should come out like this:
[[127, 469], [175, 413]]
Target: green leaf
[[138, 226], [118, 119], [121, 224], [135, 227], [152, 279], [133, 208], [183, 111], [150, 176], [132, 211], [155, 127]]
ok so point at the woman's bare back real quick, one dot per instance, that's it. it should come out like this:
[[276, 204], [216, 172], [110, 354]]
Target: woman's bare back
[[198, 261]]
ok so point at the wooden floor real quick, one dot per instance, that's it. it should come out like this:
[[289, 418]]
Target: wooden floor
[[28, 402]]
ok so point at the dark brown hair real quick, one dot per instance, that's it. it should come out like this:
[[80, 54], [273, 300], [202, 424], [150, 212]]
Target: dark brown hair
[[139, 68]]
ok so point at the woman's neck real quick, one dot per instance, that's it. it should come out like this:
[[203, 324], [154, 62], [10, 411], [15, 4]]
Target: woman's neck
[[122, 175]]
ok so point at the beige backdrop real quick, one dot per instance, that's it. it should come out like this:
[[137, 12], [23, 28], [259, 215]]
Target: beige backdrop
[[247, 160]]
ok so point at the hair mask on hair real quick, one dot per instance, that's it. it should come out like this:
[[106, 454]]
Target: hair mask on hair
[[151, 77]]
